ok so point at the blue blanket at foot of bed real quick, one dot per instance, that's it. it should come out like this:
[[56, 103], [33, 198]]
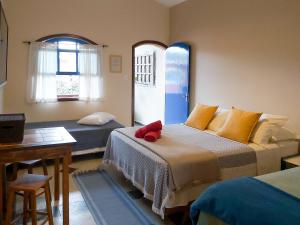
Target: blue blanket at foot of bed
[[247, 201]]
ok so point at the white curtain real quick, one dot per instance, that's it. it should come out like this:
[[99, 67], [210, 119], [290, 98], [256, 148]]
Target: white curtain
[[91, 78], [41, 86]]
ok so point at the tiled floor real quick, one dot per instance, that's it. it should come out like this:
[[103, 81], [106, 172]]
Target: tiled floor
[[79, 213]]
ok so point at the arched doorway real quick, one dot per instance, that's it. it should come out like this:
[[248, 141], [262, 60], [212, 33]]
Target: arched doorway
[[148, 77]]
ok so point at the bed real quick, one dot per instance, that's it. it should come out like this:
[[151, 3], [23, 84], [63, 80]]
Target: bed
[[171, 180], [87, 137], [287, 180]]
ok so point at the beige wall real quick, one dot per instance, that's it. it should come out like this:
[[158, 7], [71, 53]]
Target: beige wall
[[117, 23], [246, 53]]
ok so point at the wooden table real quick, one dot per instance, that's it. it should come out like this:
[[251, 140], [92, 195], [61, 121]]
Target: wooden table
[[45, 143]]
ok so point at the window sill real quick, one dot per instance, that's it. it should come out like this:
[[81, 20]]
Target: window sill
[[67, 98]]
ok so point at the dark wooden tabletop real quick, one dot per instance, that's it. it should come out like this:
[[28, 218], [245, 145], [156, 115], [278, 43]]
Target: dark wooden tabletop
[[41, 137]]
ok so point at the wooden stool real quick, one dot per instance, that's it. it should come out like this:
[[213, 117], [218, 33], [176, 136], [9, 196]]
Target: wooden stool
[[29, 184], [29, 164]]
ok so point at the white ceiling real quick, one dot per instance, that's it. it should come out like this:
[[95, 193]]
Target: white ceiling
[[170, 3]]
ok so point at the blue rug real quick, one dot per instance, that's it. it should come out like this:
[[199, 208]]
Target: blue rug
[[107, 201]]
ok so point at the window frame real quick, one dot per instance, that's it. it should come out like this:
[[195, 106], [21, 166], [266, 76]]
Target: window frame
[[59, 72], [56, 39]]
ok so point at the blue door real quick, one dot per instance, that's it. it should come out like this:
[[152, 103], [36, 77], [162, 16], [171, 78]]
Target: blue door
[[177, 83]]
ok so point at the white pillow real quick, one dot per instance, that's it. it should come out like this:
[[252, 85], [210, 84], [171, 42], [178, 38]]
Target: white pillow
[[263, 132], [267, 126], [98, 118], [274, 119], [283, 134]]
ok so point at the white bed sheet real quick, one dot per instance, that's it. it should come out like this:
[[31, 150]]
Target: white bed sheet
[[269, 155]]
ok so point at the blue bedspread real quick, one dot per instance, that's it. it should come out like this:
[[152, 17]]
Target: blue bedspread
[[247, 201]]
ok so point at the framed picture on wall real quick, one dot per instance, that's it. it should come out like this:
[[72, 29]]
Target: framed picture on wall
[[115, 63], [3, 46]]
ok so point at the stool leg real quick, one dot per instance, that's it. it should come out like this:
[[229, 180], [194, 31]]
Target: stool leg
[[25, 208], [48, 204], [33, 208], [10, 207], [46, 172], [45, 167]]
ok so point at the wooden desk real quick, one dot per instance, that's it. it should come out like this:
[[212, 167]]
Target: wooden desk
[[46, 143]]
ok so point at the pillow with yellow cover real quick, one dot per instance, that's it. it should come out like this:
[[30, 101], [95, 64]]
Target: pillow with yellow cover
[[201, 116], [239, 125]]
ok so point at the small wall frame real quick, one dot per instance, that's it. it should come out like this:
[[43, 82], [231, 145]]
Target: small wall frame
[[115, 63]]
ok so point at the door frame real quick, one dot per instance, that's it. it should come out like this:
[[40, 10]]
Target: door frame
[[160, 44]]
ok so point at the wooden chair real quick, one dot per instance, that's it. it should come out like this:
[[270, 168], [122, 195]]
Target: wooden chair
[[29, 185]]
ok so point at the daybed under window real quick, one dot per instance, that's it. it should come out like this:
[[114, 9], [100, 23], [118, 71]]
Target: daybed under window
[[87, 137]]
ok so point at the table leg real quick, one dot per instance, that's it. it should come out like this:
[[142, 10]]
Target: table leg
[[66, 190], [56, 179], [2, 192]]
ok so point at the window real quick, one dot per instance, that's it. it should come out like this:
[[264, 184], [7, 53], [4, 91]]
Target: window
[[145, 69], [67, 75], [64, 68]]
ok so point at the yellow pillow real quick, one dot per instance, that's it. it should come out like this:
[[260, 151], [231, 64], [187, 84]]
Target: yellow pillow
[[201, 116], [239, 125]]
